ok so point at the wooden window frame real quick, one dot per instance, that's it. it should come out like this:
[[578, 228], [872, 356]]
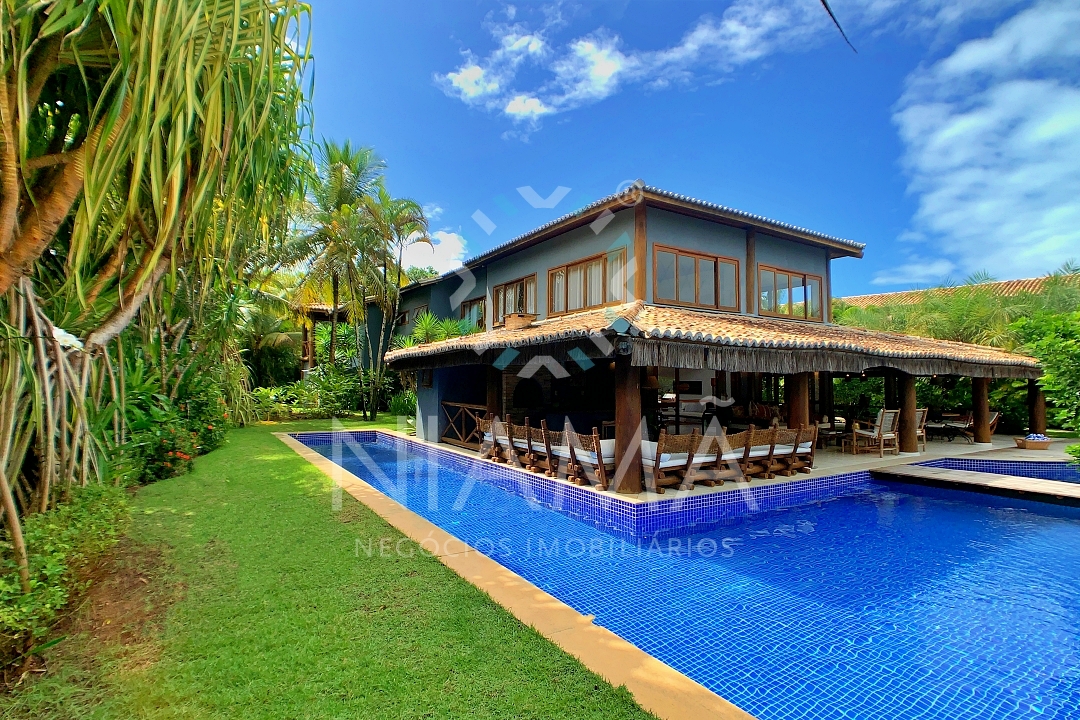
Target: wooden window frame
[[604, 259], [495, 322], [791, 305], [737, 307], [482, 301]]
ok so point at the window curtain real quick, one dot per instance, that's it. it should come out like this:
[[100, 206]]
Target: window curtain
[[616, 277], [575, 287], [594, 283], [558, 291]]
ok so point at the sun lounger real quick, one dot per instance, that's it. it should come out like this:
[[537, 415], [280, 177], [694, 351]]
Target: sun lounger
[[758, 453]]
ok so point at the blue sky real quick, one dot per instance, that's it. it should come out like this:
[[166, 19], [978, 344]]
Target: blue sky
[[949, 144]]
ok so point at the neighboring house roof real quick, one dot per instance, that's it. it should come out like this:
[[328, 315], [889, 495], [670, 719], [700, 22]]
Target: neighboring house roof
[[1005, 288], [676, 337]]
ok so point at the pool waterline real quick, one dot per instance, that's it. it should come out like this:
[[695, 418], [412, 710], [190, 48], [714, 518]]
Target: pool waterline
[[863, 601]]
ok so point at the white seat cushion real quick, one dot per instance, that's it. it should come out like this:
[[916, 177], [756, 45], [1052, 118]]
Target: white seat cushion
[[760, 451], [783, 449], [562, 451], [487, 437], [702, 459], [733, 455], [519, 443], [806, 447], [648, 452]]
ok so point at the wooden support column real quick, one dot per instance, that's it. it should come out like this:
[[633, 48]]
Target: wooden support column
[[628, 426], [980, 408], [797, 396], [1036, 408], [641, 251], [909, 442], [891, 401], [751, 272], [494, 392], [305, 359], [825, 393]]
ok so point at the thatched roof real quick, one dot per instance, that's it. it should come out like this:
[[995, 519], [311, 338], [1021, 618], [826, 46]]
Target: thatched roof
[[677, 337]]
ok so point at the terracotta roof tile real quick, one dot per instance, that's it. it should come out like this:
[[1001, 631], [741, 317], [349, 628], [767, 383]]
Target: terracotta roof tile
[[1005, 288], [724, 329]]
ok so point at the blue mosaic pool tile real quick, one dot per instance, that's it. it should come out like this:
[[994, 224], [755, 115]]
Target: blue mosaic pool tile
[[831, 598], [1040, 469]]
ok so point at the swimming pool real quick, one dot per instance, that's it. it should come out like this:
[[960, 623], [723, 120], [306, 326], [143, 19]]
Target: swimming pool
[[1040, 469], [882, 600]]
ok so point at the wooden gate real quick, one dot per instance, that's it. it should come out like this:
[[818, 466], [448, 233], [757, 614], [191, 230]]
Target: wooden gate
[[463, 424]]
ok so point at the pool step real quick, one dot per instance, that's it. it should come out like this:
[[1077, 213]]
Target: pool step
[[1055, 491]]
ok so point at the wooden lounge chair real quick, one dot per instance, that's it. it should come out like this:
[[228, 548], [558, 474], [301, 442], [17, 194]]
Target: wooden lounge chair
[[714, 461], [556, 451], [532, 438], [758, 453], [590, 458], [487, 439], [520, 444], [783, 455], [920, 427], [665, 461], [733, 453], [882, 435], [968, 431], [803, 458]]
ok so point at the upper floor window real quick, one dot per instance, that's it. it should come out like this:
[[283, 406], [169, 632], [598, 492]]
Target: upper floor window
[[786, 293], [518, 296], [473, 311], [589, 283], [688, 278]]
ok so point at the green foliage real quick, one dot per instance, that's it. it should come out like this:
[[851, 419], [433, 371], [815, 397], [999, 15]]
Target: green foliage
[[1055, 340], [403, 341], [450, 328], [161, 444], [416, 274], [327, 391], [61, 543], [428, 328], [1074, 450], [403, 404], [859, 397]]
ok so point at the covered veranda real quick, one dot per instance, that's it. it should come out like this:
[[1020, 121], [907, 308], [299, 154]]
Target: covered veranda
[[611, 369]]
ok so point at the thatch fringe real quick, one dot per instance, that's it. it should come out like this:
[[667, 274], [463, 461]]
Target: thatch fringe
[[693, 356]]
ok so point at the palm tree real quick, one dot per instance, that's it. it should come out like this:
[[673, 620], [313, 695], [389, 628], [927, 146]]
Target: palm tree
[[394, 224], [336, 241]]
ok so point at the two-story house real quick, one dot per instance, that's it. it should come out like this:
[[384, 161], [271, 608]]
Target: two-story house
[[656, 306]]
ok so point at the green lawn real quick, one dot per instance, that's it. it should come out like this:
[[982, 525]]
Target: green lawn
[[271, 614]]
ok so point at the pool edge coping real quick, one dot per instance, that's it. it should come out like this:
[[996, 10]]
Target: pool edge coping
[[656, 686]]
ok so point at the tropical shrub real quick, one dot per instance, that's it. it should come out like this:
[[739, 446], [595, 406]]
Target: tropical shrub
[[403, 404], [1055, 340], [62, 542], [428, 328]]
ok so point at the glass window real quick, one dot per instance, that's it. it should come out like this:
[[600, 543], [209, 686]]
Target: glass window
[[616, 273], [685, 279], [530, 296], [813, 298], [665, 275], [575, 287], [729, 285], [706, 282], [798, 296], [594, 283], [791, 294], [558, 290], [767, 289]]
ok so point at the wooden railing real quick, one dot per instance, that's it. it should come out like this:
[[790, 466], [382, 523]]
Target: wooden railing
[[463, 426]]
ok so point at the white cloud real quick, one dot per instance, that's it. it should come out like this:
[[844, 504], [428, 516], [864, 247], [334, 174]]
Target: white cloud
[[472, 81], [917, 272], [432, 211], [525, 107], [992, 136], [445, 253]]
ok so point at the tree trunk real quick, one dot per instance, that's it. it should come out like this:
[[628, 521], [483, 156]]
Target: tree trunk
[[333, 317]]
